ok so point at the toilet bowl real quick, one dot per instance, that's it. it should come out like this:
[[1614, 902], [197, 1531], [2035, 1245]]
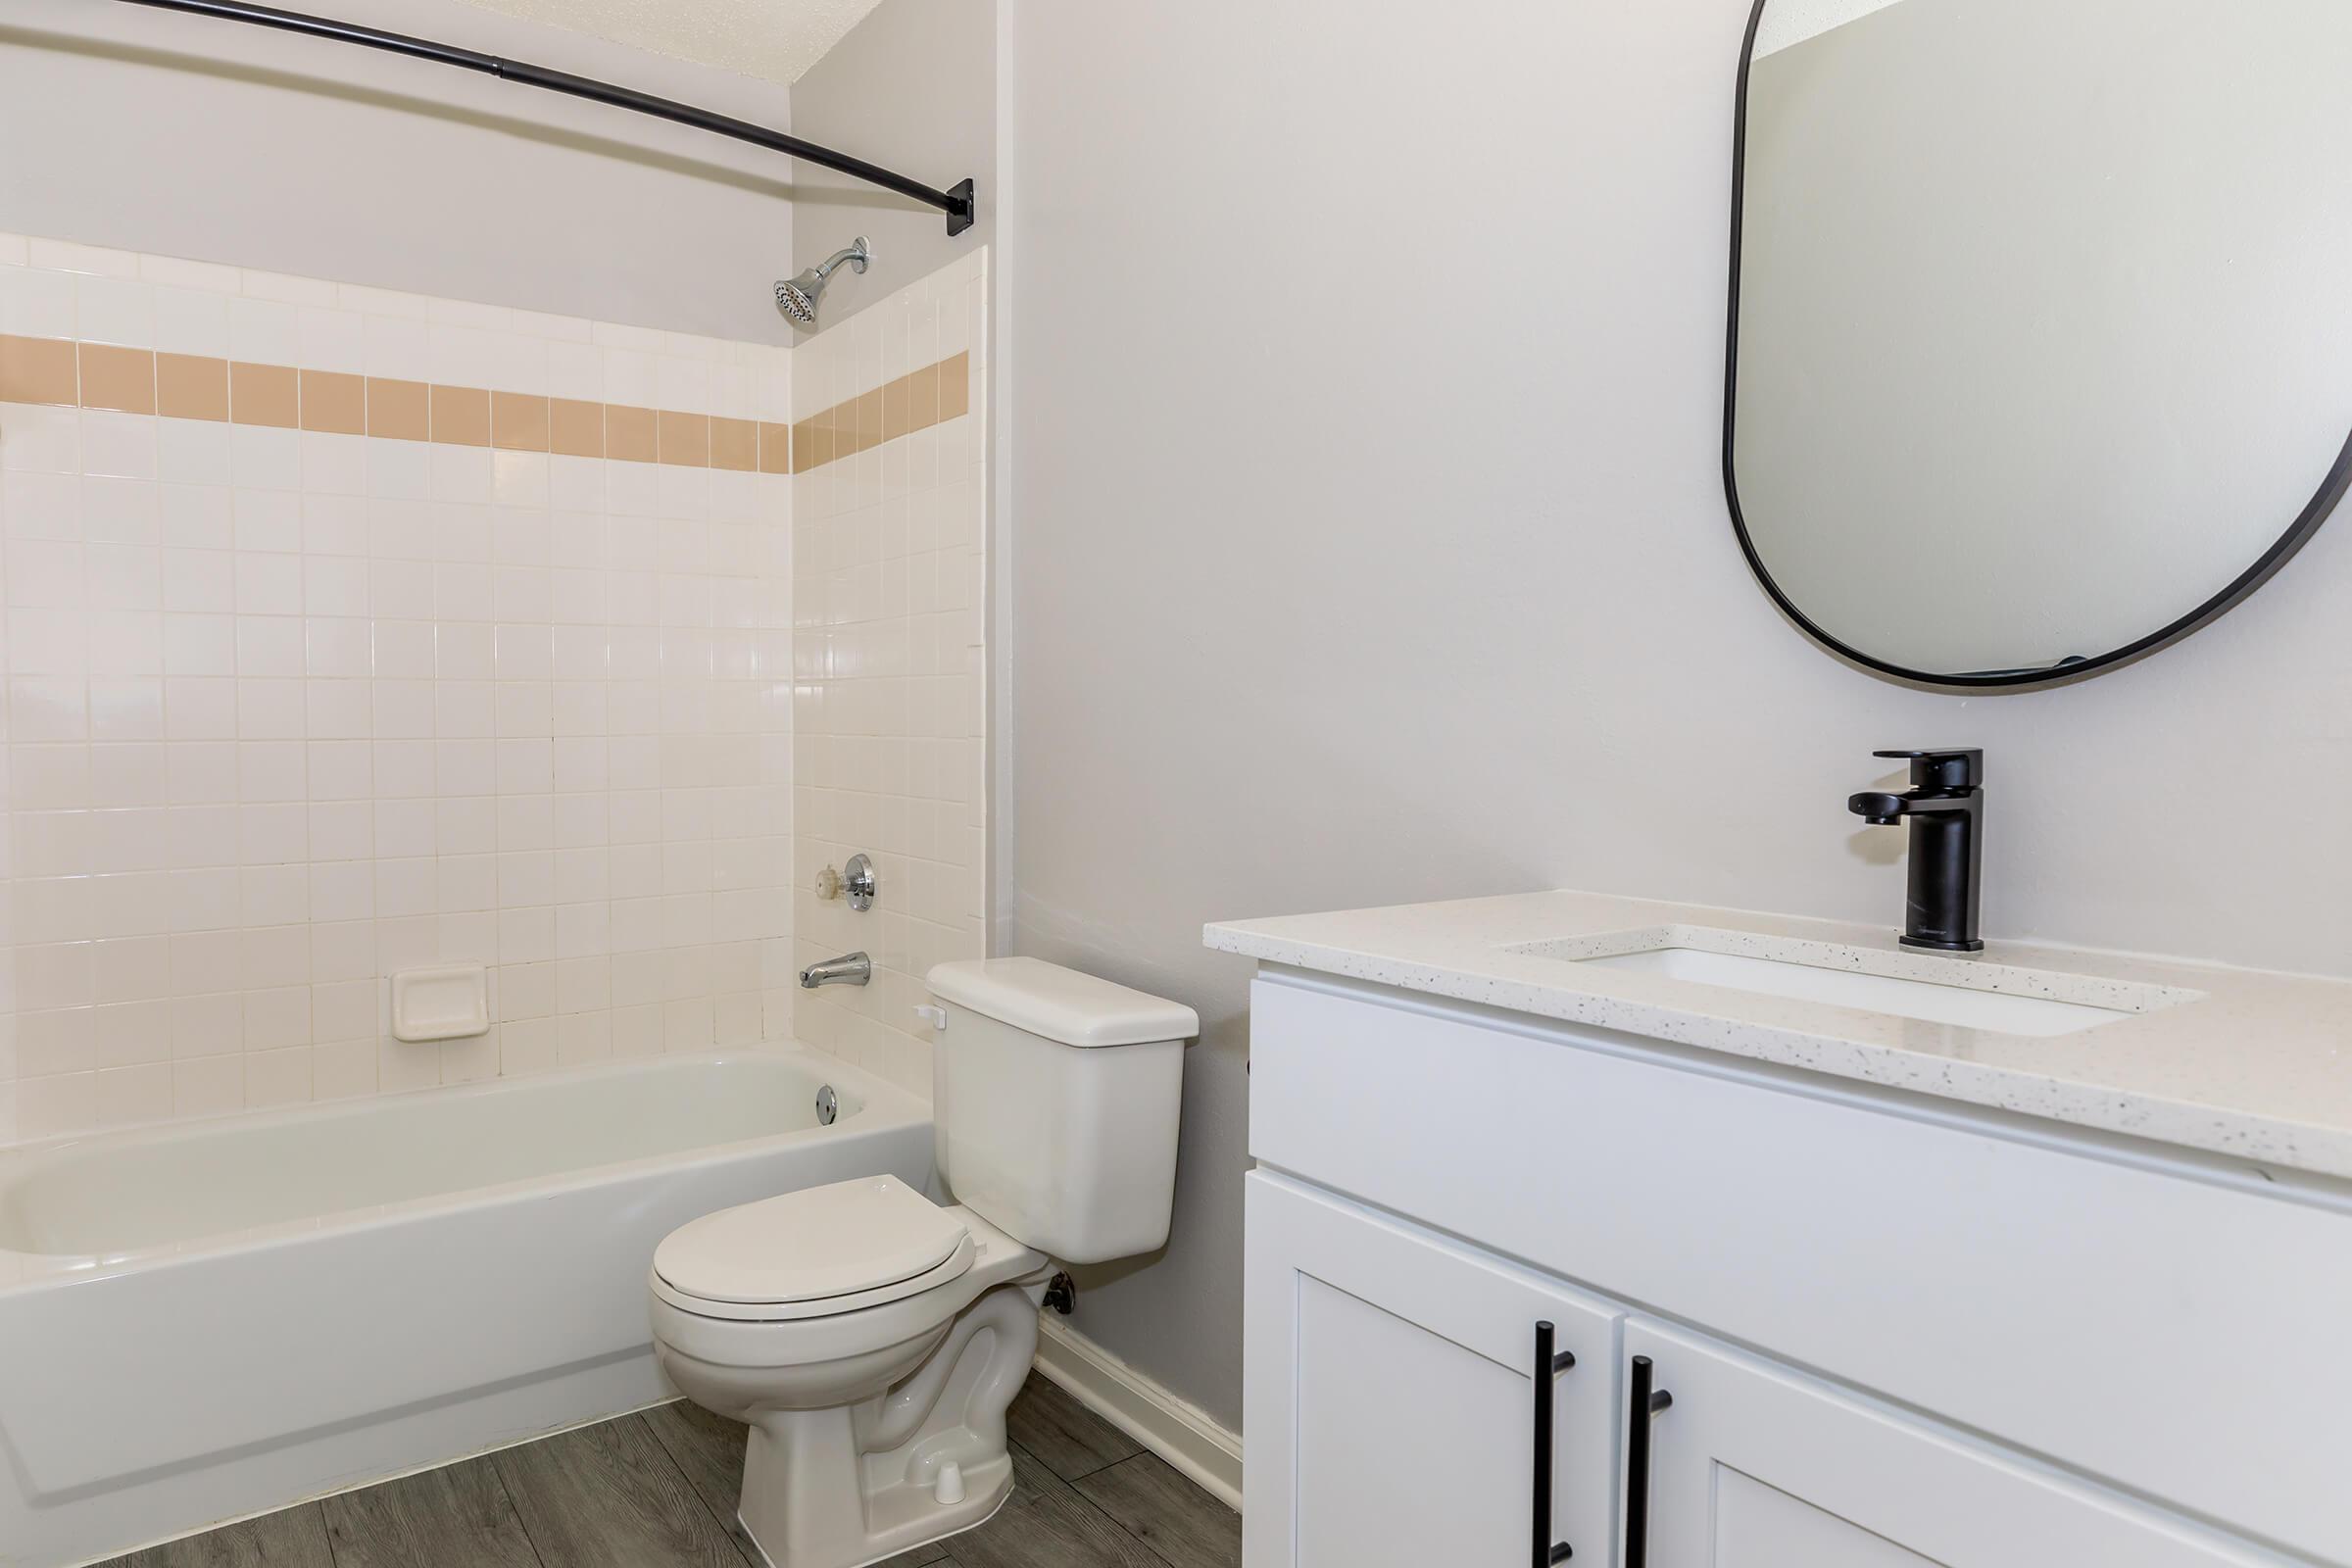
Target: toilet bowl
[[871, 1338]]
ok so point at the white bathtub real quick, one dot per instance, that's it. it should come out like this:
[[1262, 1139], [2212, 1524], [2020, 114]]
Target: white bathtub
[[204, 1321]]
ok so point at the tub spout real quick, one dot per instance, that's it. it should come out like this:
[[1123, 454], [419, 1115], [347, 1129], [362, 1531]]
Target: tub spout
[[850, 969]]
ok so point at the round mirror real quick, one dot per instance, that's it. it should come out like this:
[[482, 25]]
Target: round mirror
[[2042, 321]]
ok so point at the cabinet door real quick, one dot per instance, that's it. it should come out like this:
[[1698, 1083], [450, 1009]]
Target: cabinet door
[[1752, 1466], [1392, 1397]]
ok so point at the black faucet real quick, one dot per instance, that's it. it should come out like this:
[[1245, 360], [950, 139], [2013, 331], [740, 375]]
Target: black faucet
[[1946, 808]]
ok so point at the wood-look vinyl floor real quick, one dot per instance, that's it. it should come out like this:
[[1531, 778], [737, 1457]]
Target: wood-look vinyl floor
[[658, 1489]]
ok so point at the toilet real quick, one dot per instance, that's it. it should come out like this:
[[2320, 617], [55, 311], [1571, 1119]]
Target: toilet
[[873, 1337]]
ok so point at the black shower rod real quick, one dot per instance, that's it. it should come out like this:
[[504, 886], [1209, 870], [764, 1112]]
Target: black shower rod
[[956, 201]]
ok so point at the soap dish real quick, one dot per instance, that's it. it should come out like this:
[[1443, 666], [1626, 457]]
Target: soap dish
[[449, 1002]]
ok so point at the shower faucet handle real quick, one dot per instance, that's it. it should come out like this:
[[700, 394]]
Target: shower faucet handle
[[857, 881], [858, 878]]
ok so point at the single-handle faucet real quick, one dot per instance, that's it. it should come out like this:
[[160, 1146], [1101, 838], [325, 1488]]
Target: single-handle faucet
[[850, 969], [1946, 808]]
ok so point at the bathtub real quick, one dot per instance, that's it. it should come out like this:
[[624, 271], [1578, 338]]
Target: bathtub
[[213, 1319]]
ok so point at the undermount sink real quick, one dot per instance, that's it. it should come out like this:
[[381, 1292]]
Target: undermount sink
[[1970, 993]]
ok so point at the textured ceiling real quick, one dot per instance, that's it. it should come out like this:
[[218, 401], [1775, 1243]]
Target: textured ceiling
[[773, 39]]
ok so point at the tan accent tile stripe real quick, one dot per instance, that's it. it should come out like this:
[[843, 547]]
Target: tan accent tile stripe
[[576, 429], [734, 444], [68, 373], [191, 386], [118, 378], [400, 410], [915, 401], [518, 421], [629, 433], [263, 394], [922, 395], [811, 443], [38, 369], [685, 438], [461, 415], [334, 403], [954, 387]]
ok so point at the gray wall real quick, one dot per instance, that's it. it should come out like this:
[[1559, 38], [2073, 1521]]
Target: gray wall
[[912, 87], [1371, 547], [187, 136]]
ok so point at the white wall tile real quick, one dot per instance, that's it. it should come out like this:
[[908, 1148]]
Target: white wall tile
[[115, 309], [889, 705], [264, 331], [36, 301], [191, 321], [290, 710]]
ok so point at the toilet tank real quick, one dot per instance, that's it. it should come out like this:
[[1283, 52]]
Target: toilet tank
[[1055, 1101]]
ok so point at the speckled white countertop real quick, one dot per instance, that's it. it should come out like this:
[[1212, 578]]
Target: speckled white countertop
[[2239, 1062]]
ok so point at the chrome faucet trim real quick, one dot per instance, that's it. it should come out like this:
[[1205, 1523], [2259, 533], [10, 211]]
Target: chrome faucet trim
[[850, 969]]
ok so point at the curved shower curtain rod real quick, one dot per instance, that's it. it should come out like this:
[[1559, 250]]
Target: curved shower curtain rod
[[956, 201]]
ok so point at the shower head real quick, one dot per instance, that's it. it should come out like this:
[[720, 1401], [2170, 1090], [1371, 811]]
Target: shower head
[[797, 297]]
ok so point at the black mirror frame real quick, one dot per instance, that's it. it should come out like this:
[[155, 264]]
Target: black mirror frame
[[2307, 523]]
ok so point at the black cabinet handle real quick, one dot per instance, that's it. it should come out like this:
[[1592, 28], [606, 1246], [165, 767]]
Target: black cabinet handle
[[1548, 1367], [1646, 1403]]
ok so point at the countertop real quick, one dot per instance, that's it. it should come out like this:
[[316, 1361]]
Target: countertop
[[2239, 1062]]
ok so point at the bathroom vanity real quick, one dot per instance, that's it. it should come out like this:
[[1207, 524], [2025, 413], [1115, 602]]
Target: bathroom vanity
[[1617, 1232]]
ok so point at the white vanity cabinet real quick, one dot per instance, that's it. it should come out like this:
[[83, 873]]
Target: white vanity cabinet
[[1406, 1386], [1753, 1466], [1894, 1333]]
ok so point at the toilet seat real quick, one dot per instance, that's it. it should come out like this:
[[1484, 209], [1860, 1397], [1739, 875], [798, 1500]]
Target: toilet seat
[[955, 1267], [817, 1253]]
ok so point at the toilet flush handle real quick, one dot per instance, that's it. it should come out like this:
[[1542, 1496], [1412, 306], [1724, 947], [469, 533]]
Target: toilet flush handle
[[936, 1017]]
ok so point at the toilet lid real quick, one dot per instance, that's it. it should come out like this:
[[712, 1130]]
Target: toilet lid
[[821, 1242]]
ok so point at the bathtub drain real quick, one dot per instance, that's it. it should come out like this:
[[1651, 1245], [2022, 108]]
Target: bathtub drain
[[828, 1105]]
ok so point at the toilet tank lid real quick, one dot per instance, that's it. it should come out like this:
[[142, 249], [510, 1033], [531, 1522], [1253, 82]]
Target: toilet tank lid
[[1060, 1005]]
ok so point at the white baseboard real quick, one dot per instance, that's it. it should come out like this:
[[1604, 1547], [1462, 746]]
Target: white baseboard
[[1178, 1431]]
